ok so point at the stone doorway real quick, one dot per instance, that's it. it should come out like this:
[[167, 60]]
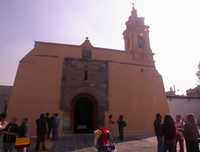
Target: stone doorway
[[84, 113]]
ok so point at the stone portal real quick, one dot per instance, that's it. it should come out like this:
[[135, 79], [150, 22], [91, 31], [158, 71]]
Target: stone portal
[[84, 93]]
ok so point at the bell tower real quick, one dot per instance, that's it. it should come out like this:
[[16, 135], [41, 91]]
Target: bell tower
[[136, 38]]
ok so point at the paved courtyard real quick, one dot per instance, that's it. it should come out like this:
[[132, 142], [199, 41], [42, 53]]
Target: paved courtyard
[[84, 143], [144, 145]]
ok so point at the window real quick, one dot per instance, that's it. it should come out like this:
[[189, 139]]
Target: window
[[140, 41], [128, 44], [86, 54], [5, 107], [85, 75]]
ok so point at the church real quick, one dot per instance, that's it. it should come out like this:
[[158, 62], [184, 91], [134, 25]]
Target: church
[[84, 83]]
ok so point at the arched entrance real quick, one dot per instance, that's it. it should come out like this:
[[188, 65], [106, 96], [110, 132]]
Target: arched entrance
[[84, 113]]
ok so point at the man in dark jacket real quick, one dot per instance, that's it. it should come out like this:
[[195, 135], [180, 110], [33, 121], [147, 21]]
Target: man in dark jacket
[[121, 124], [49, 121], [158, 132], [41, 132], [169, 134], [55, 126], [10, 133], [23, 128]]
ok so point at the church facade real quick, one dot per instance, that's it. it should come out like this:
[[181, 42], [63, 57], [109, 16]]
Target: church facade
[[86, 83]]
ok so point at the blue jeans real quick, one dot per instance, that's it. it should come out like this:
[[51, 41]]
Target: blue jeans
[[8, 147], [170, 147], [159, 143], [192, 146]]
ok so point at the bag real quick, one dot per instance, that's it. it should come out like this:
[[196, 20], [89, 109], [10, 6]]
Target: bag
[[22, 142]]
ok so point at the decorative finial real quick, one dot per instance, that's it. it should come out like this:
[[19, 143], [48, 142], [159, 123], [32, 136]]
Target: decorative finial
[[133, 4], [134, 11], [86, 43]]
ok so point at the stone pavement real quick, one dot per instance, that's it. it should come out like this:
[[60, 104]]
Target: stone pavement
[[72, 142], [143, 145], [84, 143], [78, 143]]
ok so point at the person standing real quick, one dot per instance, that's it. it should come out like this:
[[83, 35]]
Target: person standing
[[49, 125], [121, 124], [158, 132], [10, 134], [169, 134], [111, 124], [41, 132], [179, 132], [191, 134], [23, 128], [3, 124], [55, 126]]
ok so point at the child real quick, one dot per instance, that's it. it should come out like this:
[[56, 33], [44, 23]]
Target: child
[[103, 140]]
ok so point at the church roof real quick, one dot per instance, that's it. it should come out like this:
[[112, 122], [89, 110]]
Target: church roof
[[79, 46]]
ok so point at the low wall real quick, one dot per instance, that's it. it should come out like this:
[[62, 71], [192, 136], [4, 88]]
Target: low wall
[[184, 105]]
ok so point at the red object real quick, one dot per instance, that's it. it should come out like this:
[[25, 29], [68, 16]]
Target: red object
[[105, 136]]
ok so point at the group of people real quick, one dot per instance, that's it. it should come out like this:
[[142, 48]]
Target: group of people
[[47, 127], [121, 123], [170, 133], [10, 130]]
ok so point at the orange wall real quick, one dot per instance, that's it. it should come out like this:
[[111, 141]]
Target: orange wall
[[135, 94], [36, 88]]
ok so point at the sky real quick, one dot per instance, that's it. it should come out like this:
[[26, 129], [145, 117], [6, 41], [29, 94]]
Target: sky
[[174, 32]]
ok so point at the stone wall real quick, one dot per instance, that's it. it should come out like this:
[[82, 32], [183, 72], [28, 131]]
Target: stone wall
[[85, 76], [5, 92]]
